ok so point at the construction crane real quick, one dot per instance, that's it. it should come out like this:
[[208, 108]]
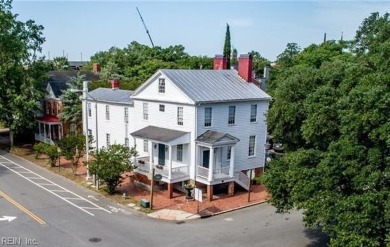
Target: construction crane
[[146, 29]]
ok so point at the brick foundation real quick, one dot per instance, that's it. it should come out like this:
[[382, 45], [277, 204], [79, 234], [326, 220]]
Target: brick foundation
[[231, 188], [210, 192]]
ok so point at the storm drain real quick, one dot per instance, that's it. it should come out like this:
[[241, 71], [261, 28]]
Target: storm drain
[[180, 222], [94, 240]]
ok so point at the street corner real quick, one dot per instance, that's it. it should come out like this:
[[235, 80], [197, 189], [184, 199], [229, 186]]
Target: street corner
[[173, 215]]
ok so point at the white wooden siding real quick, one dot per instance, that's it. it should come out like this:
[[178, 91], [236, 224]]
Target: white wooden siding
[[172, 93], [242, 129], [116, 126]]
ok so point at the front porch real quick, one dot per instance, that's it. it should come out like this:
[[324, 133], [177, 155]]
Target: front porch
[[165, 150], [49, 129]]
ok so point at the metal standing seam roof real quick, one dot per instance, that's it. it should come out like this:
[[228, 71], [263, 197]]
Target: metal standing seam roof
[[111, 95], [212, 137], [214, 85], [158, 134]]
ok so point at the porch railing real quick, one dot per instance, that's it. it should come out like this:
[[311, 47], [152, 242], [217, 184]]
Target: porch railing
[[143, 165], [222, 170], [203, 172], [44, 139]]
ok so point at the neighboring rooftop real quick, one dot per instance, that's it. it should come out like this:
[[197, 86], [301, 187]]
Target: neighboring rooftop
[[111, 95], [214, 85], [58, 79]]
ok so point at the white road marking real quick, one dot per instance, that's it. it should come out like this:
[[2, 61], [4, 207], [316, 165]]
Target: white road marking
[[92, 197], [9, 218], [228, 219], [50, 183]]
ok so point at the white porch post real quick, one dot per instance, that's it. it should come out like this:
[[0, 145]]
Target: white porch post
[[211, 164], [44, 130], [231, 170], [151, 158], [169, 161], [135, 145]]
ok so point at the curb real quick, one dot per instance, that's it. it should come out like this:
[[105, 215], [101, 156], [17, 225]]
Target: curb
[[233, 209]]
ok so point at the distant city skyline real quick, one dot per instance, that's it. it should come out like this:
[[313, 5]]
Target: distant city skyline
[[79, 29]]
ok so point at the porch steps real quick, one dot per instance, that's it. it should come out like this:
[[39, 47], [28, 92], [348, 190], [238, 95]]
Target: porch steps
[[242, 179]]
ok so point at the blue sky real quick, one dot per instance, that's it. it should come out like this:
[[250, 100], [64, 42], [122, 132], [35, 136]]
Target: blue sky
[[74, 27]]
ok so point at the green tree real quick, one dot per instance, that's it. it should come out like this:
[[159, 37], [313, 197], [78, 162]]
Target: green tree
[[110, 163], [72, 107], [286, 58], [60, 63], [337, 165], [73, 148], [19, 71], [227, 48]]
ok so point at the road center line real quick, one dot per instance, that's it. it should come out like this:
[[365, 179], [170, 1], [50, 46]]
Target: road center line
[[25, 210]]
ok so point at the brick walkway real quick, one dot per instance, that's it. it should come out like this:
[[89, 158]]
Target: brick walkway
[[219, 203]]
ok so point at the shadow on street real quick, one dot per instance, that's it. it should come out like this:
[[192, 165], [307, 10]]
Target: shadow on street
[[318, 238]]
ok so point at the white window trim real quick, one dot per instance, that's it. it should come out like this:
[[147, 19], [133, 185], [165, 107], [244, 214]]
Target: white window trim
[[107, 112], [250, 117], [234, 115], [211, 117], [180, 116], [254, 146], [161, 85]]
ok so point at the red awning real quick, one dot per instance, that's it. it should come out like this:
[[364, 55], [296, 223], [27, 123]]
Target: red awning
[[49, 118]]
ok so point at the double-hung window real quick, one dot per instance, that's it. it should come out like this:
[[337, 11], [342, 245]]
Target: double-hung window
[[108, 140], [161, 85], [146, 146], [252, 145], [253, 113], [229, 152], [107, 112], [180, 116], [207, 116], [179, 152], [162, 108], [126, 115], [89, 110], [232, 115], [145, 111]]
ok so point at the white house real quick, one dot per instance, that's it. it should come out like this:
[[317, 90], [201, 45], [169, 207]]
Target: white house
[[207, 126]]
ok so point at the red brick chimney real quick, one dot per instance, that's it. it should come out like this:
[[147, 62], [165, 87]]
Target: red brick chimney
[[220, 62], [115, 83], [96, 68], [245, 67]]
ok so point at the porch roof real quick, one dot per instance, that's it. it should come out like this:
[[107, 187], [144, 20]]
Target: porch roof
[[158, 134], [49, 119], [215, 137]]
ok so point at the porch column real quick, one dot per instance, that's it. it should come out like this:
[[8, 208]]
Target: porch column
[[44, 130], [231, 170], [62, 131], [135, 145], [151, 159], [169, 161], [211, 164]]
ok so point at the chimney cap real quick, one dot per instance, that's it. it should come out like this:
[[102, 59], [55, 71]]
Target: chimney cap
[[246, 55], [219, 56]]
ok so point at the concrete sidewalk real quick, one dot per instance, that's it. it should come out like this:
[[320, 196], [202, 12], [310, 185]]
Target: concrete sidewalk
[[172, 214]]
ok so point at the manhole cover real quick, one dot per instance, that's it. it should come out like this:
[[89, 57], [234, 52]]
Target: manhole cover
[[95, 240]]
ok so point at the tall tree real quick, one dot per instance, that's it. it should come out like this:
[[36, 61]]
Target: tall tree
[[72, 109], [20, 70], [227, 48]]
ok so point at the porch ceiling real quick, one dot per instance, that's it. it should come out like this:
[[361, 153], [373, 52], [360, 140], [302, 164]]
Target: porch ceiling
[[158, 134], [49, 119]]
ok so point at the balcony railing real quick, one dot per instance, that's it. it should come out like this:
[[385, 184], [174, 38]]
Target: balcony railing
[[181, 170], [222, 172]]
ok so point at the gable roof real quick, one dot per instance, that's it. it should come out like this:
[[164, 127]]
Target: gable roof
[[212, 137], [58, 79], [204, 86], [111, 95]]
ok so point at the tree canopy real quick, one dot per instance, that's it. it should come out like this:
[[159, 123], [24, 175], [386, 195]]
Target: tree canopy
[[21, 70], [330, 107]]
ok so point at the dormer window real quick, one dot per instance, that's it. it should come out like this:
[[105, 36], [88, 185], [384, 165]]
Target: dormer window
[[161, 85]]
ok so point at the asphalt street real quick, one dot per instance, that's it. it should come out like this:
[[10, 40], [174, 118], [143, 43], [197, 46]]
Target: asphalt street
[[53, 211]]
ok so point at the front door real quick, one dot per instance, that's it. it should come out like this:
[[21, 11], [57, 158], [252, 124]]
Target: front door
[[161, 154], [206, 158]]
